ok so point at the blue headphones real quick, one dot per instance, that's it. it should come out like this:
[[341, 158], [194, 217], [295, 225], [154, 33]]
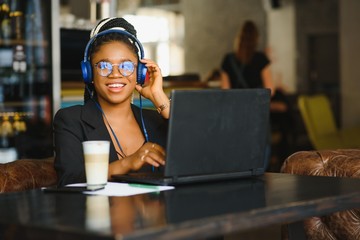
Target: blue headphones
[[86, 67]]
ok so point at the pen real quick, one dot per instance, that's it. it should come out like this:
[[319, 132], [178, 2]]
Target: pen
[[143, 186]]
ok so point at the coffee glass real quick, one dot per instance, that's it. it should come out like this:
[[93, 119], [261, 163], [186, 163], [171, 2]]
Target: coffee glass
[[96, 155]]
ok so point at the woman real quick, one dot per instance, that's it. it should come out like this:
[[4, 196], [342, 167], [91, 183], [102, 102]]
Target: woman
[[137, 137], [246, 67]]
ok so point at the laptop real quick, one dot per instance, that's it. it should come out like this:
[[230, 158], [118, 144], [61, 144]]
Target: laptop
[[213, 135]]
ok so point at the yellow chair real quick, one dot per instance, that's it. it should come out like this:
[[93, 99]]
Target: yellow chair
[[320, 125]]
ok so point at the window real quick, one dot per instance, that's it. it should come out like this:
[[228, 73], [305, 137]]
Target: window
[[161, 33]]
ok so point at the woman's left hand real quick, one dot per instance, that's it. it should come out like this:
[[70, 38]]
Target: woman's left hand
[[153, 89], [154, 83]]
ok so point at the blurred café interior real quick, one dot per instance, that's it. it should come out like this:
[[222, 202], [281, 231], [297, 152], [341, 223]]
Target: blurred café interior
[[313, 46]]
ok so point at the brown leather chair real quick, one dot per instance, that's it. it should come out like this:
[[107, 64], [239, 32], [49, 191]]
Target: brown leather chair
[[337, 163], [25, 174]]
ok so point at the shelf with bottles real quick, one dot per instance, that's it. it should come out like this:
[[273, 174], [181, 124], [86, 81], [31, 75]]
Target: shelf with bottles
[[12, 19], [23, 23], [12, 124], [20, 58], [23, 104], [21, 87], [27, 78], [15, 42], [29, 73], [35, 110]]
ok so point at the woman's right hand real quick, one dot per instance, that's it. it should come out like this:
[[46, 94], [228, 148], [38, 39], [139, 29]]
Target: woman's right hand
[[149, 153]]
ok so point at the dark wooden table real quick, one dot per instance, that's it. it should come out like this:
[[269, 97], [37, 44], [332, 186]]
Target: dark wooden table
[[188, 212]]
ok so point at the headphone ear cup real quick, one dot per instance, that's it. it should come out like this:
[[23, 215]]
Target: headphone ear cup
[[141, 73], [86, 71]]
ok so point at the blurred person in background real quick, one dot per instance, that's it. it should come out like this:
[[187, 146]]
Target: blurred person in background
[[246, 66]]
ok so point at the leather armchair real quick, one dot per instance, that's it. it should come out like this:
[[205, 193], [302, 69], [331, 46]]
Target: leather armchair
[[25, 174], [336, 163]]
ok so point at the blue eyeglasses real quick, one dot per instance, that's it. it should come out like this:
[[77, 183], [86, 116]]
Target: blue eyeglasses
[[104, 68]]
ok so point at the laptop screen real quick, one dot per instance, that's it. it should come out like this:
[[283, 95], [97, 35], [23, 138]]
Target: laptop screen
[[217, 132]]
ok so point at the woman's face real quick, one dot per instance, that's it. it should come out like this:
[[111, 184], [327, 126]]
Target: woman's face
[[114, 88]]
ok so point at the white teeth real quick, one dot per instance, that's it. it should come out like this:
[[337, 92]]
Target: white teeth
[[116, 85]]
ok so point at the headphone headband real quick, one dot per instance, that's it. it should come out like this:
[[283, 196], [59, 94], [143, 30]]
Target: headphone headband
[[86, 65]]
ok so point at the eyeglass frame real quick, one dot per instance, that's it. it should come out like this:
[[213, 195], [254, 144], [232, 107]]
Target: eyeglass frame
[[112, 68]]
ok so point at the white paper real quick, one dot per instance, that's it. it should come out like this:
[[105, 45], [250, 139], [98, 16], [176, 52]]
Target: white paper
[[124, 189]]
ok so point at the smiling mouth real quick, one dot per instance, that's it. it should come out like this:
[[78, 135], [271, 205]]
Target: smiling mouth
[[115, 85]]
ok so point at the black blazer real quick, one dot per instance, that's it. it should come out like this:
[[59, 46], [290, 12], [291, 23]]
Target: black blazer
[[79, 123]]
